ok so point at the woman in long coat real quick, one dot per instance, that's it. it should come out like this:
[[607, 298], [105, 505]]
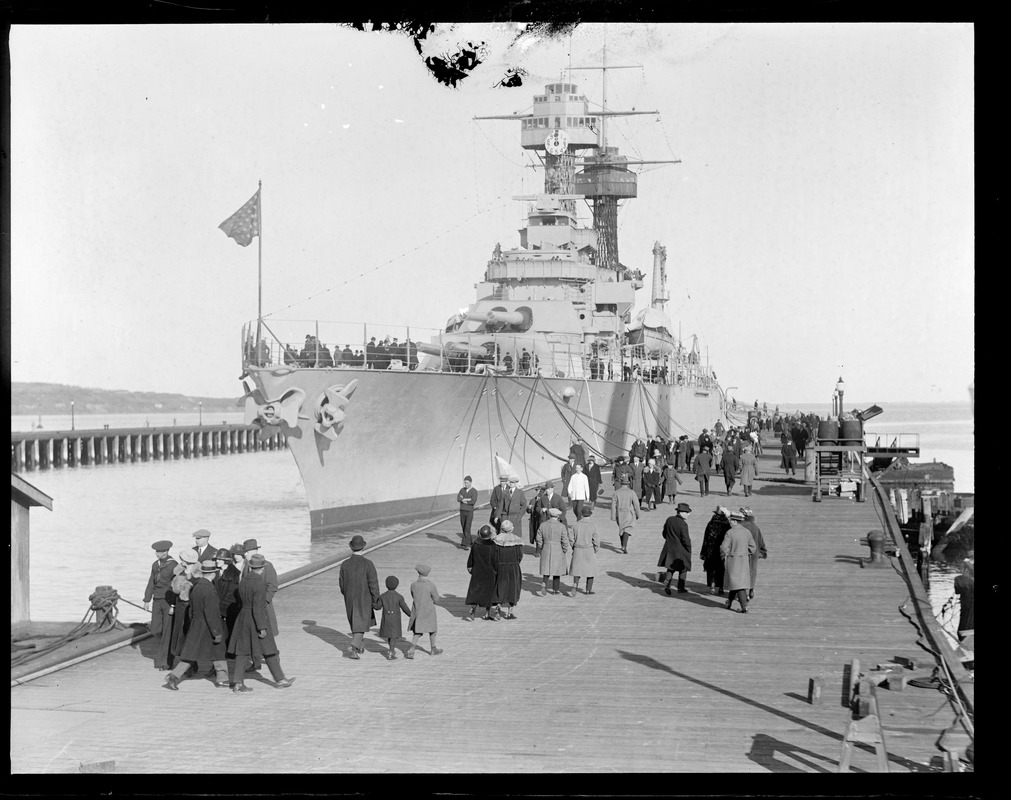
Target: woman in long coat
[[508, 576], [760, 549], [749, 470], [481, 564], [585, 541], [423, 617], [252, 637], [712, 563], [552, 546], [738, 545], [359, 584]]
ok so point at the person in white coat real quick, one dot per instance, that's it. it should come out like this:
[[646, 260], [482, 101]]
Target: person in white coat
[[579, 488]]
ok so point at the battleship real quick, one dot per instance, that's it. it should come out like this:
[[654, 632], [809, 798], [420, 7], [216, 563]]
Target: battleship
[[547, 353]]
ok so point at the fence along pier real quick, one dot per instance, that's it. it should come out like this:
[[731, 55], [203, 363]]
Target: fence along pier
[[35, 450]]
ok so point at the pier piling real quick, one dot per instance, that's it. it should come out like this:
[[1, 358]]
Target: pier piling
[[37, 450]]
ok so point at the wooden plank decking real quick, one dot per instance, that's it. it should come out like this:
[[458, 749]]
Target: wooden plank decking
[[624, 680]]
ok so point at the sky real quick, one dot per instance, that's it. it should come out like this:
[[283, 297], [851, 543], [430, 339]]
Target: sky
[[819, 224]]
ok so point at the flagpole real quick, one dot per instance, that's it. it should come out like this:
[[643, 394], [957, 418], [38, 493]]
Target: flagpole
[[259, 266]]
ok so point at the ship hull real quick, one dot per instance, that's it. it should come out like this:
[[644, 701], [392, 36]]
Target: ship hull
[[407, 439]]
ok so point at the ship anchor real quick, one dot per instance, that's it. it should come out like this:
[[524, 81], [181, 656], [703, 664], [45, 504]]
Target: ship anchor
[[330, 413]]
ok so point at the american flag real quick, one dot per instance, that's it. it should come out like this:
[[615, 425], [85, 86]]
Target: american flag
[[244, 224]]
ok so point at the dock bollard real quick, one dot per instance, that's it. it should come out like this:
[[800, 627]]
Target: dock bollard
[[876, 542]]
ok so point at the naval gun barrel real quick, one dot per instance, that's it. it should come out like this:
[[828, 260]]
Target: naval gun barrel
[[497, 317]]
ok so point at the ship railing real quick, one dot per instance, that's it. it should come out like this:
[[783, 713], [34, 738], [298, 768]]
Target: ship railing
[[324, 343], [342, 345]]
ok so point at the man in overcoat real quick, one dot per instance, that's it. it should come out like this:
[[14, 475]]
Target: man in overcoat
[[205, 639], [251, 636], [593, 477], [577, 451], [359, 584], [551, 499], [624, 511], [621, 467], [676, 555], [508, 502], [703, 463], [730, 464], [760, 549], [157, 584], [270, 585], [736, 550], [652, 480]]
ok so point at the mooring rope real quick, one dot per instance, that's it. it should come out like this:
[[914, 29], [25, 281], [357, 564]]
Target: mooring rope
[[101, 616]]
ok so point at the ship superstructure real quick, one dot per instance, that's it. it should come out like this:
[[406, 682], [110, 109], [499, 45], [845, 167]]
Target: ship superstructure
[[542, 355]]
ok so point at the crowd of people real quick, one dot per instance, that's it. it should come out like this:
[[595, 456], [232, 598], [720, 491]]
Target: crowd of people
[[214, 606]]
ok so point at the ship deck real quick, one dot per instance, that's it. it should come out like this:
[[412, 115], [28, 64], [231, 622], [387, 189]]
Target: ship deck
[[625, 680]]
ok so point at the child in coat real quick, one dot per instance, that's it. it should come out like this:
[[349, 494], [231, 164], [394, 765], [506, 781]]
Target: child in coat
[[392, 603], [423, 619]]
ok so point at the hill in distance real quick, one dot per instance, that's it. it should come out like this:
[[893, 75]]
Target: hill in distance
[[54, 398]]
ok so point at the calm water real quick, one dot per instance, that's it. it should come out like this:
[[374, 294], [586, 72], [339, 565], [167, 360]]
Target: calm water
[[105, 518]]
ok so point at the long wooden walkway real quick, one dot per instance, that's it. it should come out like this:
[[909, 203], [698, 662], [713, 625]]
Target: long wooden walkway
[[625, 680]]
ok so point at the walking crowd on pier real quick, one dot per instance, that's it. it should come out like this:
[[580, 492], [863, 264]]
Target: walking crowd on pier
[[212, 608]]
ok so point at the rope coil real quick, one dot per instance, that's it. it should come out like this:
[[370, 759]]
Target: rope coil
[[101, 617]]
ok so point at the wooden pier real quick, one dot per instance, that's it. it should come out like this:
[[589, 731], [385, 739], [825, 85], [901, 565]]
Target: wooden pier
[[625, 680], [35, 450]]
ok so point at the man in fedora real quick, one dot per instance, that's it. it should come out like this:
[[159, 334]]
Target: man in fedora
[[251, 637], [205, 550], [205, 639], [760, 549], [251, 548], [157, 584], [676, 555], [359, 584]]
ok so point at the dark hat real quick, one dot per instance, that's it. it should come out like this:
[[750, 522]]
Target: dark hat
[[422, 569], [208, 566], [250, 544], [223, 554], [683, 507], [256, 561], [237, 550], [392, 582], [203, 533], [357, 543], [591, 457], [468, 478], [586, 509], [549, 485], [485, 532], [162, 546]]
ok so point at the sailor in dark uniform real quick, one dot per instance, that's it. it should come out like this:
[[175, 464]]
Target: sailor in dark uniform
[[157, 584]]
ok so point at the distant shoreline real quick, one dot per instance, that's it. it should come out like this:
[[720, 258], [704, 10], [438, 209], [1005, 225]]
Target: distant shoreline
[[55, 399]]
